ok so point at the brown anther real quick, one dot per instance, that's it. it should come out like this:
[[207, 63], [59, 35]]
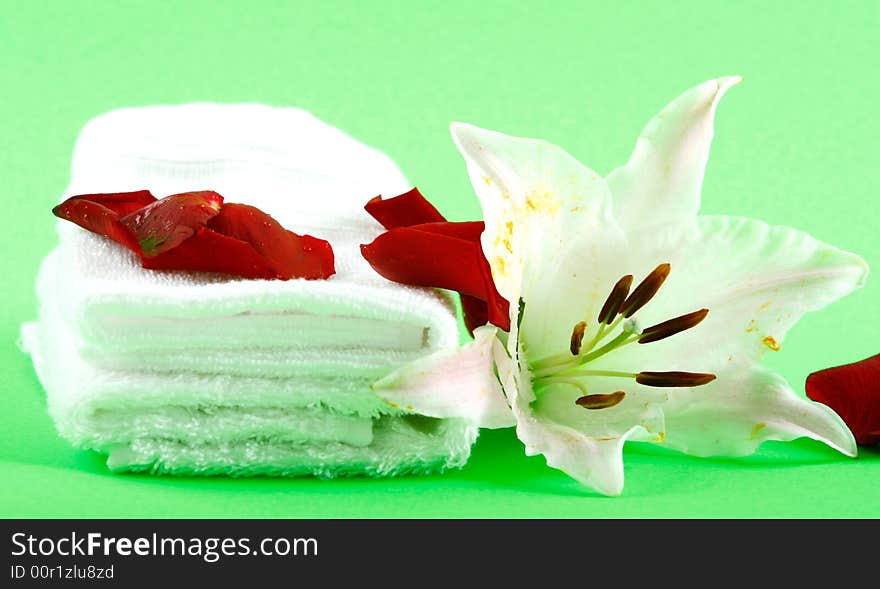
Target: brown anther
[[645, 291], [577, 337], [612, 304], [601, 401], [669, 328], [674, 379]]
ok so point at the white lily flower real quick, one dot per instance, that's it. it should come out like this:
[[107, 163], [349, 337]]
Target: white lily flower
[[589, 362]]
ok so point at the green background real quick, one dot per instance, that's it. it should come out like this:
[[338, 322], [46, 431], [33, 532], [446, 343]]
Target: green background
[[796, 144]]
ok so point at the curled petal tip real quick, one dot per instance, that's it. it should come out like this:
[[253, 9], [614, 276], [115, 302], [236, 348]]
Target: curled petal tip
[[459, 130], [728, 81]]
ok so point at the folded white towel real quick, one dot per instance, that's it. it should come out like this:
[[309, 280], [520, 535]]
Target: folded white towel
[[195, 372]]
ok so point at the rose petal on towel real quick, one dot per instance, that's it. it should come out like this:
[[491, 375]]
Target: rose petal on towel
[[121, 203], [409, 208], [97, 218], [209, 251], [289, 254], [166, 223], [853, 391], [441, 255]]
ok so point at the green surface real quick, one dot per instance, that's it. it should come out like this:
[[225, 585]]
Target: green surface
[[796, 144]]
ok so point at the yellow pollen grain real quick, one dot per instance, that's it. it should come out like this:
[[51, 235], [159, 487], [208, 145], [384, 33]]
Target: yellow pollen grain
[[500, 265], [395, 405], [544, 203], [661, 436], [487, 180], [757, 429], [409, 407], [752, 326], [508, 233], [771, 343]]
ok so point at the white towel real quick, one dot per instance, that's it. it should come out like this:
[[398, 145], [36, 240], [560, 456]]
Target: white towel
[[194, 372]]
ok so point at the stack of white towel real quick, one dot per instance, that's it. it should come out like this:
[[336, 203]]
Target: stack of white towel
[[196, 373]]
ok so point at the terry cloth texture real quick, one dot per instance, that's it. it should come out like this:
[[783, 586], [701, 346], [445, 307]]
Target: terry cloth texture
[[196, 373]]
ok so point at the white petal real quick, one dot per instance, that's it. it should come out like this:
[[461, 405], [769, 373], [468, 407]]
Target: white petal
[[456, 382], [756, 280], [735, 414], [661, 182], [547, 218], [594, 462], [588, 450]]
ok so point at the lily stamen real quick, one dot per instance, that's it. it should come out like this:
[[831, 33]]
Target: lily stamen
[[615, 299], [674, 379], [601, 401], [577, 337], [669, 328], [645, 291], [619, 307]]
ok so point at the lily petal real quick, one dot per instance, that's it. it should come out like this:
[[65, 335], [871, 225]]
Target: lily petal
[[590, 452], [661, 182], [743, 408], [457, 382], [594, 462], [540, 206], [757, 281]]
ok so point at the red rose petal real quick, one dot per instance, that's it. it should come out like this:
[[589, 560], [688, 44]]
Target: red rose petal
[[432, 255], [467, 230], [291, 255], [475, 312], [121, 203], [410, 208], [97, 218], [166, 223], [853, 391], [209, 251]]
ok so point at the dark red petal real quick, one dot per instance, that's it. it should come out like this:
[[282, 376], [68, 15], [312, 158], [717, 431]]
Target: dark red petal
[[121, 203], [468, 230], [412, 255], [97, 218], [410, 208], [291, 255], [209, 251], [166, 223], [475, 312], [318, 261], [853, 391]]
